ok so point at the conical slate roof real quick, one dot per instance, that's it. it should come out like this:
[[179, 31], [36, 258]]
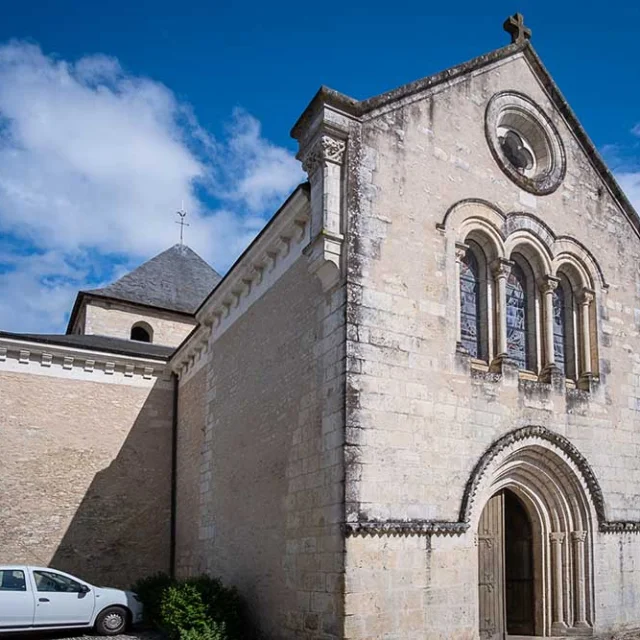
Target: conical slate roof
[[177, 279]]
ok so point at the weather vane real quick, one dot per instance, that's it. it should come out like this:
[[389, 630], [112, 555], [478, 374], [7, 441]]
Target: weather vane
[[183, 214]]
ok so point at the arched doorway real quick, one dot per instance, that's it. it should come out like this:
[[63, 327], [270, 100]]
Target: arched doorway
[[506, 583], [535, 520]]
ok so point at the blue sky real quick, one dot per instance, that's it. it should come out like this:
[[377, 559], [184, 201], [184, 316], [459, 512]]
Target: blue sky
[[111, 114]]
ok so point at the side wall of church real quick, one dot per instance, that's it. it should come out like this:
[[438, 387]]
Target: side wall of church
[[417, 419], [271, 466], [116, 319], [85, 474], [190, 557]]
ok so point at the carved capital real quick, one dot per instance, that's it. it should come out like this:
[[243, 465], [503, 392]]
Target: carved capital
[[548, 284], [557, 537], [461, 251], [579, 536], [325, 149], [501, 268], [586, 296]]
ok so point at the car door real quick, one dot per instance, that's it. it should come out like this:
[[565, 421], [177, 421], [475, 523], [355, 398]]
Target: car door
[[60, 600], [16, 598]]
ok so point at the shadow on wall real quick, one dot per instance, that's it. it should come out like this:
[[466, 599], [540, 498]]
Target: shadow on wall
[[121, 529]]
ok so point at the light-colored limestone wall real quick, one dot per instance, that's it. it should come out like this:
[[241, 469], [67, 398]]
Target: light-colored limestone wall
[[191, 419], [116, 319], [417, 422], [398, 586], [272, 473], [85, 476], [617, 581]]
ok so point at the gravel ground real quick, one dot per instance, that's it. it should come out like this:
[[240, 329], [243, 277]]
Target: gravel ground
[[79, 635]]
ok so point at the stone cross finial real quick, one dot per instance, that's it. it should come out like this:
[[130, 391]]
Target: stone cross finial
[[514, 25]]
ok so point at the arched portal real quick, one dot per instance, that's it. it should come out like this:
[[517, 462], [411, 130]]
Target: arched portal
[[535, 523]]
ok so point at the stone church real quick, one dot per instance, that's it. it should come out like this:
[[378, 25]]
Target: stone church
[[411, 409]]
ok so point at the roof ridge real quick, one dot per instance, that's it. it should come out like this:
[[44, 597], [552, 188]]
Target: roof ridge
[[327, 95]]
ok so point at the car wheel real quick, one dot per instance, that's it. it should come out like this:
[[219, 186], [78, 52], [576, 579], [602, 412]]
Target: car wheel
[[111, 621]]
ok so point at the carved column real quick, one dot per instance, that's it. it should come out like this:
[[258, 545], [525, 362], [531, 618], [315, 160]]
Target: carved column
[[501, 271], [557, 617], [551, 371], [585, 299], [579, 582], [323, 160], [461, 251]]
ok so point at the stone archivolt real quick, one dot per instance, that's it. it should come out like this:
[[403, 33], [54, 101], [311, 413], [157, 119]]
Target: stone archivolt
[[560, 451]]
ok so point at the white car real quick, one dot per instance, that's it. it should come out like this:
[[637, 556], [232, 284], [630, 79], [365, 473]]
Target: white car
[[42, 598]]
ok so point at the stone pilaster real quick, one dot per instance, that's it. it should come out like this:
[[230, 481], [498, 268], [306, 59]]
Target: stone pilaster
[[501, 269], [322, 153], [551, 372], [586, 376], [579, 585], [558, 623]]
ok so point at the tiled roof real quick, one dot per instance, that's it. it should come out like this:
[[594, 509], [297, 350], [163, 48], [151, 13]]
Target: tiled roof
[[97, 343], [177, 279]]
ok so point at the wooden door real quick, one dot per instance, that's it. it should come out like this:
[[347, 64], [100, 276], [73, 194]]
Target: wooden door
[[491, 569]]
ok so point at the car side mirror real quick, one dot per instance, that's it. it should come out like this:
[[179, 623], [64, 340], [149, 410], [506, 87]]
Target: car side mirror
[[84, 588]]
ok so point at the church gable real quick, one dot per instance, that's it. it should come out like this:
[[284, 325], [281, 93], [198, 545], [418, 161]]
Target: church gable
[[496, 136], [470, 81], [455, 138]]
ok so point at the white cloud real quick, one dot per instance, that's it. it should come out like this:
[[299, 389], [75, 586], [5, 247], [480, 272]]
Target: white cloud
[[263, 169], [630, 183], [92, 163]]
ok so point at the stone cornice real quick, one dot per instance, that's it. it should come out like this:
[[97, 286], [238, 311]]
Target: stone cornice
[[26, 356], [271, 254], [406, 528]]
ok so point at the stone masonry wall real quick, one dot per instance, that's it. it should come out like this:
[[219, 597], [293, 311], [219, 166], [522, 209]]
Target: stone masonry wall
[[191, 418], [85, 476], [116, 319], [272, 475], [417, 423]]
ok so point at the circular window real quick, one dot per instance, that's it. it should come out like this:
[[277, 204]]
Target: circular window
[[525, 143]]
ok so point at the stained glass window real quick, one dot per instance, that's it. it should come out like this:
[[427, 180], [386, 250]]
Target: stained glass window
[[470, 304], [517, 337], [559, 328]]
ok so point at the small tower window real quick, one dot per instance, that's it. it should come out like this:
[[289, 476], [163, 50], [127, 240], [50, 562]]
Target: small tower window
[[142, 332]]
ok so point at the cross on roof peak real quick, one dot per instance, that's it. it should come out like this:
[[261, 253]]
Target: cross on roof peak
[[514, 25], [183, 214]]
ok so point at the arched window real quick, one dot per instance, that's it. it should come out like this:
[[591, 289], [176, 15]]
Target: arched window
[[141, 332], [518, 338], [565, 346], [470, 305]]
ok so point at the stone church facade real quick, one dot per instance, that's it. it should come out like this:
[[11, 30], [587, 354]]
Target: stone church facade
[[411, 408]]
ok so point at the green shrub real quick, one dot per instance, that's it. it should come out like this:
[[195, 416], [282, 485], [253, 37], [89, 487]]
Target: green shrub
[[199, 608], [150, 590], [224, 604], [212, 632], [182, 608]]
